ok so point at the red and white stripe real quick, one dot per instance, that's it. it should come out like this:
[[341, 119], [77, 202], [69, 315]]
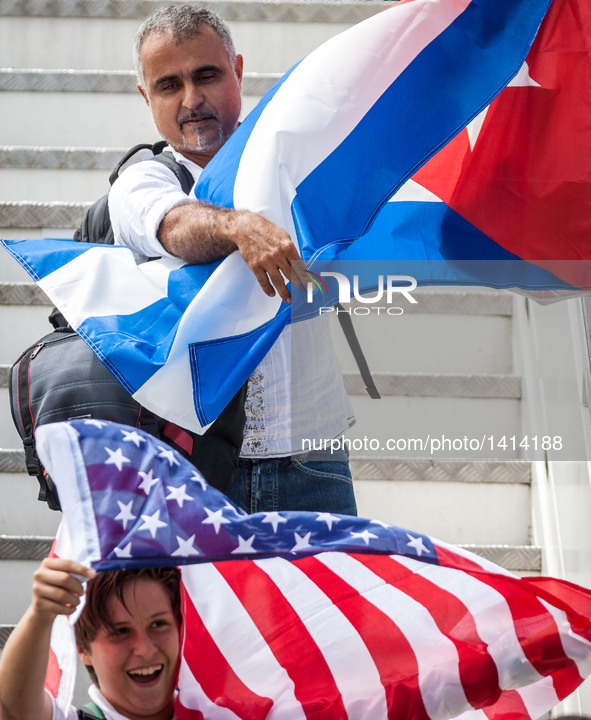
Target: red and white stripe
[[338, 635]]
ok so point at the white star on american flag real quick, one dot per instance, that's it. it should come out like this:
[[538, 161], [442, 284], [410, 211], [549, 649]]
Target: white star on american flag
[[100, 424], [168, 454], [123, 552], [152, 523], [178, 494], [148, 480], [301, 543], [133, 437], [365, 535], [244, 546], [382, 524], [215, 518], [274, 518], [117, 458], [196, 477], [416, 543], [185, 547], [125, 515], [328, 519]]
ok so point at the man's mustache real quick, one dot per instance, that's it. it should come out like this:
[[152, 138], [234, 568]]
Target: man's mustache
[[204, 115]]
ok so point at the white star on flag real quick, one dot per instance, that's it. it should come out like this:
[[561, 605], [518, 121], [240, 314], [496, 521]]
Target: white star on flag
[[186, 547], [133, 437], [235, 510], [381, 523], [179, 494], [244, 546], [168, 454], [301, 543], [274, 518], [123, 552], [522, 79], [366, 536], [97, 423], [116, 458], [125, 515], [416, 543], [215, 518], [147, 481], [328, 519], [152, 523], [196, 477]]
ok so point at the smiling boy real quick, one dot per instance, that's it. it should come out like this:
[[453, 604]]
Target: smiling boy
[[127, 637]]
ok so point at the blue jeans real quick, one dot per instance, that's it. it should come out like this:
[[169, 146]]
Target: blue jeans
[[311, 481]]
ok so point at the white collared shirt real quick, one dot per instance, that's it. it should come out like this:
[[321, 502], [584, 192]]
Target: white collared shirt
[[98, 698], [296, 393]]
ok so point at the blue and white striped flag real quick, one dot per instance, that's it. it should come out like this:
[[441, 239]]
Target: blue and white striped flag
[[319, 156]]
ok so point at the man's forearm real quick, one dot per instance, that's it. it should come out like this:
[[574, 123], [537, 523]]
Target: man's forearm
[[199, 233]]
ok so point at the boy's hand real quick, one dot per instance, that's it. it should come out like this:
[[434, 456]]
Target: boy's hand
[[55, 590]]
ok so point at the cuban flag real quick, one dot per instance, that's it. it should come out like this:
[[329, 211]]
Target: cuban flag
[[310, 614], [321, 156]]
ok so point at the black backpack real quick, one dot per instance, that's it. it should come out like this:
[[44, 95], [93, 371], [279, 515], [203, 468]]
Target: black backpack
[[96, 223], [60, 378]]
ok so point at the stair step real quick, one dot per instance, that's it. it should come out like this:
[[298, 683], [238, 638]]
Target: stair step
[[103, 81], [386, 470], [12, 461], [409, 385], [274, 11], [24, 157], [22, 293], [440, 385], [13, 547], [492, 471], [26, 214]]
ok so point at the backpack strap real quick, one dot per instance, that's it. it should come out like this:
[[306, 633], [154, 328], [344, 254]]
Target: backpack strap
[[181, 172], [351, 337], [90, 711], [130, 153]]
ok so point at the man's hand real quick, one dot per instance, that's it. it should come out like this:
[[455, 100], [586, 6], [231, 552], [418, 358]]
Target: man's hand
[[199, 233], [269, 253]]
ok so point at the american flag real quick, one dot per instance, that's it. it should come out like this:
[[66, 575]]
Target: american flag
[[320, 156], [316, 615]]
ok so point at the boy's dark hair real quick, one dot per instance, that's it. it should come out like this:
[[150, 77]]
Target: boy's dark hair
[[95, 615]]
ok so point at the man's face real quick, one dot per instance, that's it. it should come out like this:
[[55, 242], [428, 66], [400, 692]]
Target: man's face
[[193, 90], [136, 661]]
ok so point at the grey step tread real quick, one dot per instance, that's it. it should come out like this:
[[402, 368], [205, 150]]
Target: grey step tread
[[102, 81], [481, 302], [486, 471], [12, 461], [414, 384], [470, 471], [437, 385], [27, 214], [29, 547], [60, 158], [230, 10]]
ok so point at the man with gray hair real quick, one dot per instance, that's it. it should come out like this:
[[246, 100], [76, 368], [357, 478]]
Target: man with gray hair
[[190, 77]]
